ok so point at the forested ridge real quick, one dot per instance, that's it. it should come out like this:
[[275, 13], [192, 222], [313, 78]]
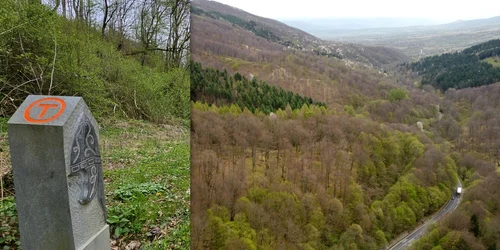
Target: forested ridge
[[249, 25], [460, 69], [383, 156], [307, 178], [351, 176], [217, 87]]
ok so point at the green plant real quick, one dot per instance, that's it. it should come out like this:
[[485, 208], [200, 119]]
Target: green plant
[[397, 95], [122, 219], [129, 191], [3, 125], [48, 54], [130, 215], [9, 232]]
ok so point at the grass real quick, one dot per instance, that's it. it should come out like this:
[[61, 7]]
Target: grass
[[146, 181], [494, 61]]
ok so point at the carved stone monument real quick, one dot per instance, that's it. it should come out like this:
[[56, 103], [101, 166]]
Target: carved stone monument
[[56, 163]]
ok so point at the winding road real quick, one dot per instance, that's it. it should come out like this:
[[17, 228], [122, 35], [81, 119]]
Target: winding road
[[422, 229]]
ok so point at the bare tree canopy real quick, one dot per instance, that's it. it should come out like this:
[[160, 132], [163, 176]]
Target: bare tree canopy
[[157, 26]]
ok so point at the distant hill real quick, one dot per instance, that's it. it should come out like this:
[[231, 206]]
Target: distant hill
[[335, 28], [475, 66], [320, 25], [417, 41], [492, 22], [280, 36], [264, 27], [333, 73]]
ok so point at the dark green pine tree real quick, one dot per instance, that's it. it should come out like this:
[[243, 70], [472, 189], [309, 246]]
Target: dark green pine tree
[[474, 226]]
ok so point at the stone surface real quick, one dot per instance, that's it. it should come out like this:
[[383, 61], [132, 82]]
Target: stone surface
[[58, 175], [100, 240]]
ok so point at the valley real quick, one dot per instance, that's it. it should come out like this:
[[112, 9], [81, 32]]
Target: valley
[[418, 41], [370, 155]]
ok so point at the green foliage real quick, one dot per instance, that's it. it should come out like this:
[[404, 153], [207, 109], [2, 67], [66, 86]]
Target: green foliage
[[349, 110], [130, 190], [241, 234], [3, 124], [148, 198], [405, 218], [215, 87], [450, 240], [9, 227], [43, 53], [486, 49], [380, 237], [397, 95], [474, 225], [125, 219], [431, 239], [257, 194], [318, 195], [216, 232], [461, 69], [494, 61]]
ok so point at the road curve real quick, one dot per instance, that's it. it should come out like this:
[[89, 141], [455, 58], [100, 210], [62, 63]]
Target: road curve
[[422, 229]]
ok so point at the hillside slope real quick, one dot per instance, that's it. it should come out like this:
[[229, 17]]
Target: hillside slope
[[269, 28], [288, 38], [331, 76], [352, 175], [420, 41], [472, 67], [485, 23], [385, 154], [44, 53]]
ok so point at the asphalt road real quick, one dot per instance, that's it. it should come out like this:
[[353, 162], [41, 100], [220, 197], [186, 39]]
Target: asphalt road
[[422, 229]]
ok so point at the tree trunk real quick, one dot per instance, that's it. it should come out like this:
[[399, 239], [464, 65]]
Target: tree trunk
[[64, 5], [283, 165], [266, 156], [253, 158], [80, 10], [105, 18], [328, 169], [58, 3], [278, 157], [335, 184]]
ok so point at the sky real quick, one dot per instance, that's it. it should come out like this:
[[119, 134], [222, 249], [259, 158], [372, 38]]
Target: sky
[[437, 10]]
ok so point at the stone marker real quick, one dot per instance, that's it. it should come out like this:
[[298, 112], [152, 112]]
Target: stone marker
[[56, 163]]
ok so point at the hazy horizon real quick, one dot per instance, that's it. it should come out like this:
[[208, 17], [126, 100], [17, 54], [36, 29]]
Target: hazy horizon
[[444, 11], [315, 24]]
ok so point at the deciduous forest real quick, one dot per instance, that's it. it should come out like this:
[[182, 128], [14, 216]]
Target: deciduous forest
[[475, 224], [308, 179], [381, 156]]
